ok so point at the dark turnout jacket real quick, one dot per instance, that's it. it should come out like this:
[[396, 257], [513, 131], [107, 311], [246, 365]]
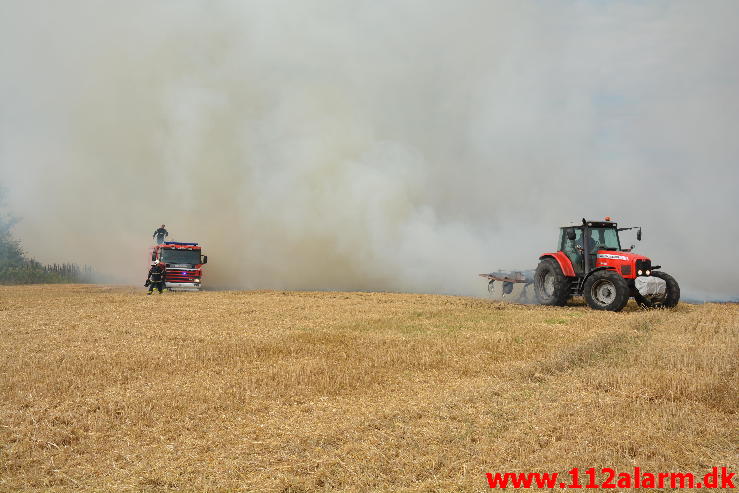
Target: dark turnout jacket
[[156, 273], [161, 232]]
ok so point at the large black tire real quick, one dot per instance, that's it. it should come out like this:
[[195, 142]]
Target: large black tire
[[641, 300], [551, 286], [672, 296], [606, 290]]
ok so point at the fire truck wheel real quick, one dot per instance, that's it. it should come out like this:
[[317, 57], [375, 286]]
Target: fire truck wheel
[[551, 286], [606, 290], [673, 289]]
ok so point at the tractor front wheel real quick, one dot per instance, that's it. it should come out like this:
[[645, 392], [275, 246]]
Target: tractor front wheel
[[551, 286], [672, 293], [606, 290]]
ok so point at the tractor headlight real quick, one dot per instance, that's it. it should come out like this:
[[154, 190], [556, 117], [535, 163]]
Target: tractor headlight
[[197, 280], [639, 272], [643, 266]]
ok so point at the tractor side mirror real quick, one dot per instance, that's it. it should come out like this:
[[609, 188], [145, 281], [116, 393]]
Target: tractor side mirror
[[638, 235], [571, 234], [205, 259]]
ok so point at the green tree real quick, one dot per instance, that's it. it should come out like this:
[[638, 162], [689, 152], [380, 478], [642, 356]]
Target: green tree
[[17, 268], [11, 253]]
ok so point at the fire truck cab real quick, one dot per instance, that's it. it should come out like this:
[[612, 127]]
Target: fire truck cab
[[184, 264]]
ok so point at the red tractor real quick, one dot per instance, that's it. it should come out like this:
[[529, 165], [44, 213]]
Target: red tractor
[[591, 263]]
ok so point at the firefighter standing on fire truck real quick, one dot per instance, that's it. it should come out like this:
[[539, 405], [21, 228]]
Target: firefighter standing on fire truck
[[160, 234], [156, 277]]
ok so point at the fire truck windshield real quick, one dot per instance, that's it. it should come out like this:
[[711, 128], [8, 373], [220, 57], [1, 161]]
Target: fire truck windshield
[[176, 256]]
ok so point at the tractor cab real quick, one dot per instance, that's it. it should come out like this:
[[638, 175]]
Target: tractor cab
[[581, 243]]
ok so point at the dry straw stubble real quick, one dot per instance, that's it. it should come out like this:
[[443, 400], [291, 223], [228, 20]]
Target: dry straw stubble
[[104, 388]]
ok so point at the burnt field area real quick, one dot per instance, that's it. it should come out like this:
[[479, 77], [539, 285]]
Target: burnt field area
[[104, 388]]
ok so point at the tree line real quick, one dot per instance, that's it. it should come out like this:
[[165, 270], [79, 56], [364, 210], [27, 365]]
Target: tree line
[[17, 268]]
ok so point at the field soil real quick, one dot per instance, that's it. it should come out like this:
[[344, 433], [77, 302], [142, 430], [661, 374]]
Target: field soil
[[105, 388]]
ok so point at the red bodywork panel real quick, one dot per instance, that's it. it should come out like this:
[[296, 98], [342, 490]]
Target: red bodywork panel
[[604, 258], [622, 262], [564, 262]]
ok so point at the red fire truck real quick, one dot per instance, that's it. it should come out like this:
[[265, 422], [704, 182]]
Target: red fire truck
[[184, 262]]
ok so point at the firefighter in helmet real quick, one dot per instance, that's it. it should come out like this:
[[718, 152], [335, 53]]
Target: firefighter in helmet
[[160, 234], [155, 278]]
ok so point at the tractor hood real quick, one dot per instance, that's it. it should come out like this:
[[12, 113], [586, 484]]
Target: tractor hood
[[604, 255], [629, 265]]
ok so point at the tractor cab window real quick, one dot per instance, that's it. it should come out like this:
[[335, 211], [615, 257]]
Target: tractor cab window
[[565, 244], [572, 248], [604, 239]]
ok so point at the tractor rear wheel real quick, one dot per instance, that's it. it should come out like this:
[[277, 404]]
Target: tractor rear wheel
[[551, 286], [606, 290]]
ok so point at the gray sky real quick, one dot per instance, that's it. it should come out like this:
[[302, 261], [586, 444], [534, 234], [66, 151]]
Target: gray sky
[[404, 145]]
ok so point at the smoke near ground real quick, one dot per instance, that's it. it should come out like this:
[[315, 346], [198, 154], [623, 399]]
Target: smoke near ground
[[401, 145]]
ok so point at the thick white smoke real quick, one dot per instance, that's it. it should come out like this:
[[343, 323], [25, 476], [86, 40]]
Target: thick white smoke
[[334, 144]]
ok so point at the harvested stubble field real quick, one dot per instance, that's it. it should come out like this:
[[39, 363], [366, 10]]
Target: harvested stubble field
[[107, 389]]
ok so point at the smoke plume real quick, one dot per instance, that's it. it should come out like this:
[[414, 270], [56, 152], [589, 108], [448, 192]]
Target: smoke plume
[[355, 145]]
